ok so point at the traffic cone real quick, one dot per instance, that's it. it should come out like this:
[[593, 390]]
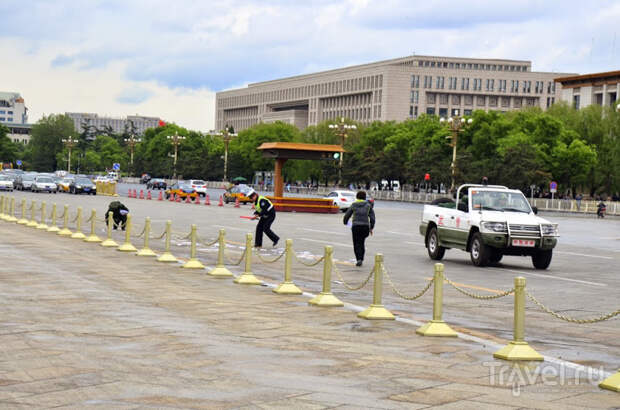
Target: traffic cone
[[178, 198], [237, 202], [148, 195], [198, 200], [207, 202], [135, 194], [172, 198], [221, 201], [161, 196], [187, 199], [141, 194]]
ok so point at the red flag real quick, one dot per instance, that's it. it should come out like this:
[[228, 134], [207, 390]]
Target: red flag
[[161, 123]]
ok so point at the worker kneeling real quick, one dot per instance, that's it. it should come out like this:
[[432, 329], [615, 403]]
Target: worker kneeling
[[265, 212], [119, 214]]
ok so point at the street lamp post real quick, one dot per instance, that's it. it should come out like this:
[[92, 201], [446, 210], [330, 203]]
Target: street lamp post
[[341, 130], [176, 140], [132, 141], [227, 137], [455, 125], [69, 143]]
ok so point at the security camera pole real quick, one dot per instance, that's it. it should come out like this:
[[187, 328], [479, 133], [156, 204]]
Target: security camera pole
[[456, 125], [341, 130], [131, 142], [69, 143], [227, 137], [176, 140]]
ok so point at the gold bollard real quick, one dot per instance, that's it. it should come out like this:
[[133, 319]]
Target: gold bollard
[[437, 327], [288, 287], [518, 349], [23, 220], [167, 256], [32, 222], [42, 224], [109, 242], [220, 270], [2, 214], [78, 230], [326, 297], [93, 238], [193, 263], [127, 246], [65, 225], [11, 217], [376, 311], [146, 251], [247, 277], [611, 383], [53, 227]]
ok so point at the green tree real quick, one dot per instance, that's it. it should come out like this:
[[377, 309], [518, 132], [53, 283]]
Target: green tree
[[46, 141], [8, 149]]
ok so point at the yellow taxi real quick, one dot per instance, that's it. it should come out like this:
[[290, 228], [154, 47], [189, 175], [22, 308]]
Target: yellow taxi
[[237, 192], [182, 190], [64, 184]]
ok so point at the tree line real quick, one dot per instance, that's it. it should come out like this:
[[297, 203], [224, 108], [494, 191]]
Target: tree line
[[579, 149]]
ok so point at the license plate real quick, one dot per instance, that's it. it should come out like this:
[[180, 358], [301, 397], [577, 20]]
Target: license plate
[[86, 189], [524, 242]]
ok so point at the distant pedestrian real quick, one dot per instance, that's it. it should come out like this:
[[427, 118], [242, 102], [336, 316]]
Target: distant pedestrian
[[578, 198], [363, 224], [265, 212]]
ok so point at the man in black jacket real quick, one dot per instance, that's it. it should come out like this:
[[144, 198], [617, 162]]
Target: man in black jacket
[[119, 214], [362, 225], [265, 212]]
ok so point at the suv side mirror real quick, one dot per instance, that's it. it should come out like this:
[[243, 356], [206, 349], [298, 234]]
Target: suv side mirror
[[535, 210], [462, 207]]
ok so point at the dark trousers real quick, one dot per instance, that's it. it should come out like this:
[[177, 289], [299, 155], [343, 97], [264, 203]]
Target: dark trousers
[[119, 220], [360, 233], [264, 225]]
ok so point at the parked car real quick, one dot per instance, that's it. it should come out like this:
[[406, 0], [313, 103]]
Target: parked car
[[6, 183], [44, 183], [24, 181], [181, 189], [82, 185], [63, 185], [342, 199], [156, 183], [145, 178], [200, 186], [237, 192]]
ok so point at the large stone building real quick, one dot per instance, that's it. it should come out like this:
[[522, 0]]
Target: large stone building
[[390, 90], [12, 109], [118, 125], [598, 88]]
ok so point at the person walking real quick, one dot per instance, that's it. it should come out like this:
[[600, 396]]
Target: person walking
[[265, 212], [362, 225]]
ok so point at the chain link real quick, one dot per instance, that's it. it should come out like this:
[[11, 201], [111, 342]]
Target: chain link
[[75, 219], [90, 218], [64, 211], [400, 294], [205, 243], [141, 233], [240, 259], [346, 285], [277, 258], [180, 235], [311, 264], [570, 319], [158, 237], [476, 296]]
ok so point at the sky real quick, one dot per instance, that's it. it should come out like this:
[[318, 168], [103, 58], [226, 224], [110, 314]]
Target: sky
[[168, 58]]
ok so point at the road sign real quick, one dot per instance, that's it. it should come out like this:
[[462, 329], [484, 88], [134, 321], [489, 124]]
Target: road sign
[[19, 162], [116, 166], [553, 187]]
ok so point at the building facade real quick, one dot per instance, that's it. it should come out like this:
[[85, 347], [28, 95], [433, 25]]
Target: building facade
[[395, 89], [12, 109], [19, 133], [583, 90], [118, 125]]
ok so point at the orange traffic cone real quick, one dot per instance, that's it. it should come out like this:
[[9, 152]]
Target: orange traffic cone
[[237, 202], [187, 199], [178, 198], [141, 194], [148, 195], [171, 198], [135, 194], [161, 196], [207, 202], [221, 201], [198, 200]]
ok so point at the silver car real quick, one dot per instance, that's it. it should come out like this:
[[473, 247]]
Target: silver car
[[6, 183], [44, 183]]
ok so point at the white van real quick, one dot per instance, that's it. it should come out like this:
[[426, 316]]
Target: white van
[[113, 175]]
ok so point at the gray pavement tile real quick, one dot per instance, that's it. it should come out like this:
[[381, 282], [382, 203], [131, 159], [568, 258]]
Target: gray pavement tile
[[434, 396]]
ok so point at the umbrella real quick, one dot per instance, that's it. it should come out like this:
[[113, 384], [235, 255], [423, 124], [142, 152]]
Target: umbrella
[[239, 179]]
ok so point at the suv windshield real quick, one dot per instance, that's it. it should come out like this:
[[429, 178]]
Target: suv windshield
[[83, 181], [499, 201]]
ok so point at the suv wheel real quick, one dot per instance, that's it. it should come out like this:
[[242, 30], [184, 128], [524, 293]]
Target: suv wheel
[[542, 259], [479, 252], [435, 251]]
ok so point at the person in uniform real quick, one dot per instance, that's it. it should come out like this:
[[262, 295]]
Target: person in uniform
[[362, 225], [265, 212], [119, 214]]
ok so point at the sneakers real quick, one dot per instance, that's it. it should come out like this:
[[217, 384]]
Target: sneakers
[[359, 263], [275, 243]]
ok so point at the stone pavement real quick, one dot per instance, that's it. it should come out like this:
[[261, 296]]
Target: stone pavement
[[83, 326]]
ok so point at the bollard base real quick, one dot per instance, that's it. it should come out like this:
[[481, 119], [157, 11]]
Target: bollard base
[[92, 239], [611, 383], [166, 257], [109, 243], [126, 247], [42, 226], [221, 272], [11, 219], [287, 288], [376, 312], [247, 278], [518, 351], [78, 235], [436, 328], [193, 264], [146, 252], [22, 221], [53, 229], [32, 224], [65, 232], [326, 300]]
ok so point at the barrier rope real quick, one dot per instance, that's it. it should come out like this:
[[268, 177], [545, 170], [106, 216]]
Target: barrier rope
[[141, 233], [90, 218], [75, 219], [570, 319], [265, 260], [476, 296], [202, 242], [64, 211], [402, 295], [180, 236], [160, 236], [346, 285], [240, 259], [311, 264]]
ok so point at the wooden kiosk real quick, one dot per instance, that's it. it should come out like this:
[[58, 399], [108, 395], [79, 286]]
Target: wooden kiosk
[[283, 151]]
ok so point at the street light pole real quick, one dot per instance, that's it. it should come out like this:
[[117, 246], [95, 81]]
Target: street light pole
[[69, 143], [341, 130], [227, 137], [132, 141], [176, 140], [455, 125]]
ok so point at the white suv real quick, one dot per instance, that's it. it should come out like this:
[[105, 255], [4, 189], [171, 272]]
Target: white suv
[[43, 183], [199, 185]]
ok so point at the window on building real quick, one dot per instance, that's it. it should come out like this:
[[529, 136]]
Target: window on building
[[415, 111], [575, 102], [430, 110], [9, 119], [455, 112], [2, 112], [475, 66], [415, 81], [9, 112], [443, 112]]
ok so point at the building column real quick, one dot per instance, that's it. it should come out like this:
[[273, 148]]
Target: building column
[[605, 97], [278, 182]]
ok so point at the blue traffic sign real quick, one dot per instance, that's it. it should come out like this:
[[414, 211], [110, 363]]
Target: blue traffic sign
[[116, 166], [19, 162], [553, 186]]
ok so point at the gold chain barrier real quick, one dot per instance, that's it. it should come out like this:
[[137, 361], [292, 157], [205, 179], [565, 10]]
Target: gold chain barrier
[[350, 287], [146, 251], [601, 318], [311, 264], [32, 222], [127, 246], [402, 295], [287, 287], [247, 277], [11, 217], [141, 233], [2, 207], [65, 231], [476, 296], [376, 311], [167, 257], [93, 238], [265, 260], [22, 220], [437, 327], [220, 271], [193, 262], [42, 225], [238, 261], [53, 226], [109, 242], [326, 297], [78, 230]]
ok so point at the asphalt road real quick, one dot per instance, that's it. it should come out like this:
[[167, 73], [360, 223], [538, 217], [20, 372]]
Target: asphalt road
[[583, 280]]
